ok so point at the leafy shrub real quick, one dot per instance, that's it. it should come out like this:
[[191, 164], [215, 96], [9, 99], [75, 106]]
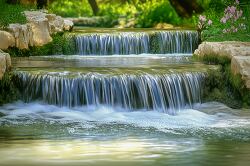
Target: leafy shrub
[[229, 17], [71, 8], [12, 13], [146, 14], [156, 11]]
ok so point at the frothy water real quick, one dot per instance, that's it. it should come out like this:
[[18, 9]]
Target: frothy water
[[40, 134], [20, 113]]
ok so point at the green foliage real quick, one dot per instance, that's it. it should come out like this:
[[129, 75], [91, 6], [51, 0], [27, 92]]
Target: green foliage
[[215, 60], [71, 8], [115, 10], [10, 13], [8, 91], [156, 11], [215, 12], [146, 13]]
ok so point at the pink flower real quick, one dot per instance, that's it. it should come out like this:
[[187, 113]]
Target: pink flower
[[209, 22], [235, 29], [202, 18], [223, 20], [227, 9], [232, 10], [237, 2]]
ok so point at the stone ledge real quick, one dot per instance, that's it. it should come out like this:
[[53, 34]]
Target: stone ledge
[[228, 49], [238, 52]]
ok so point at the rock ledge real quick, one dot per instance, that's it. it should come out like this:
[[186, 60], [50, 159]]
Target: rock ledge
[[238, 52]]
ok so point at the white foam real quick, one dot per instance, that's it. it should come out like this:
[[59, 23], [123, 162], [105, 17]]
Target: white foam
[[188, 118]]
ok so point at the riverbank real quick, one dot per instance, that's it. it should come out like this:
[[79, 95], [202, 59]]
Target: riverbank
[[234, 75]]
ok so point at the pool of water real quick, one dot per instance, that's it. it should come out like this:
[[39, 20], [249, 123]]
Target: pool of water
[[115, 64], [41, 134], [37, 133]]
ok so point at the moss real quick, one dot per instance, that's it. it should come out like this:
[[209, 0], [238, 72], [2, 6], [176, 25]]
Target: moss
[[154, 43], [8, 90], [222, 85], [237, 86], [217, 88], [62, 43], [213, 59]]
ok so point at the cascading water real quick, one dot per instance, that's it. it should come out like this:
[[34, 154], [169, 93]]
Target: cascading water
[[165, 93], [177, 41], [125, 43], [106, 44], [79, 110]]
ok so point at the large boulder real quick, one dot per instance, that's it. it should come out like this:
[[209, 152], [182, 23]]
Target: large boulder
[[5, 63], [22, 34], [39, 27], [68, 25], [6, 40], [228, 49], [37, 32], [241, 65]]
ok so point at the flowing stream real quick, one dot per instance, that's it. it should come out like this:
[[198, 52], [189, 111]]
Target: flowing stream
[[121, 101]]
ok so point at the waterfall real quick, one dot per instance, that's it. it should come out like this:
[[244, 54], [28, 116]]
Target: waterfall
[[166, 93], [125, 43], [109, 44], [177, 42]]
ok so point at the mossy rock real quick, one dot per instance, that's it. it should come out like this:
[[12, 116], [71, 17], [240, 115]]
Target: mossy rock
[[222, 85], [154, 43], [8, 90], [213, 59]]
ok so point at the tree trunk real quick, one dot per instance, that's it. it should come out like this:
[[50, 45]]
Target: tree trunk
[[41, 4], [185, 8], [94, 6], [11, 1]]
